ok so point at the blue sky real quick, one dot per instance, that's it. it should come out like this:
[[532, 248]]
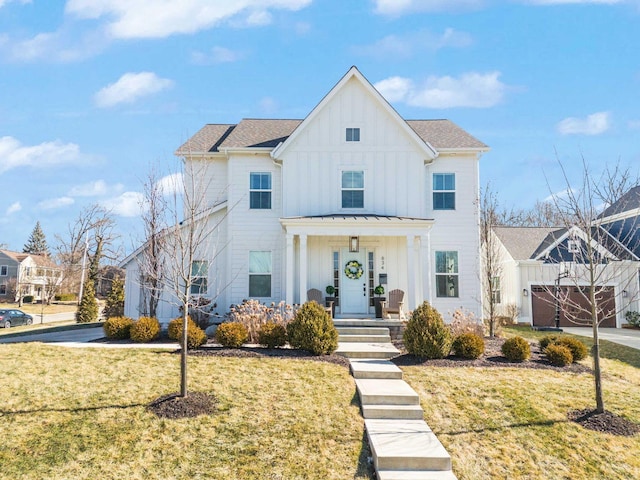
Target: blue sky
[[94, 92]]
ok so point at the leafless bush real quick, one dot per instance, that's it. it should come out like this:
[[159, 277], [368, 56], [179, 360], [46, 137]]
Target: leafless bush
[[253, 314], [464, 321]]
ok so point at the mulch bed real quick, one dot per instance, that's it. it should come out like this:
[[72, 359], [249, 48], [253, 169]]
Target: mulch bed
[[174, 406], [606, 422], [257, 352], [492, 358]]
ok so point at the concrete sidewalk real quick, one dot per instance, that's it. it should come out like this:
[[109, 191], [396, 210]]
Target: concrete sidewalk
[[621, 336]]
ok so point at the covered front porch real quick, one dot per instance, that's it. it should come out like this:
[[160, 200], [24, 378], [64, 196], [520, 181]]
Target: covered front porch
[[354, 254]]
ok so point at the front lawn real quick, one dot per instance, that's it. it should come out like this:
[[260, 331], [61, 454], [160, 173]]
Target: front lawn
[[81, 414], [512, 423]]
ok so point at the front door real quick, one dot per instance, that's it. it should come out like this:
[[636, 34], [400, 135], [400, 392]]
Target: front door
[[353, 283]]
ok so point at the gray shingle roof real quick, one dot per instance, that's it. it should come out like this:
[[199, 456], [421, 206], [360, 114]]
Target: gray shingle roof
[[523, 242], [268, 133]]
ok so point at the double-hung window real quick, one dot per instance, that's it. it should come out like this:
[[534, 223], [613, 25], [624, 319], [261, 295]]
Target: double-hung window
[[199, 277], [444, 191], [352, 189], [259, 274], [4, 270], [260, 190], [447, 281], [496, 296]]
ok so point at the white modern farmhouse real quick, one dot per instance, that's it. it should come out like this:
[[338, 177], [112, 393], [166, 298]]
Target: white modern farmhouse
[[352, 196]]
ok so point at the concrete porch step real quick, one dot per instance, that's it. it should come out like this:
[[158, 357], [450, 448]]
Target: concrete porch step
[[405, 445], [366, 322], [386, 392], [393, 412], [374, 368], [364, 338], [363, 330], [366, 350], [416, 475]]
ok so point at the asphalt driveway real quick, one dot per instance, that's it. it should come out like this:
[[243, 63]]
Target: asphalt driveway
[[622, 336]]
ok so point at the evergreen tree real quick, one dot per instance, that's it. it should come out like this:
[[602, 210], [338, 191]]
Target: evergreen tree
[[115, 300], [37, 243], [88, 309]]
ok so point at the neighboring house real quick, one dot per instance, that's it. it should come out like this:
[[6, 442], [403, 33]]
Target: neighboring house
[[23, 274], [540, 265], [352, 196]]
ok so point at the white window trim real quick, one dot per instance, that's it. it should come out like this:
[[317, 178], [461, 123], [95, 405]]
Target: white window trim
[[6, 270], [364, 189], [456, 274], [270, 273], [261, 190], [433, 190], [196, 277]]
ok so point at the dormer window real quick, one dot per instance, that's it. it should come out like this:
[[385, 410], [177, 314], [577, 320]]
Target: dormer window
[[353, 134]]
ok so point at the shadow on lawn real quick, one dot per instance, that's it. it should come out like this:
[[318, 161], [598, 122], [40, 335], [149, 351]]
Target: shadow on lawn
[[543, 423], [4, 413]]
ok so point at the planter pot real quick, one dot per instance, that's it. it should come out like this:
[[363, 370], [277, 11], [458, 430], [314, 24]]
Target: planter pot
[[377, 303]]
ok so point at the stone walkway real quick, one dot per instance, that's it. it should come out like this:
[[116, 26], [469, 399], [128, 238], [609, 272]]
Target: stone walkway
[[402, 444]]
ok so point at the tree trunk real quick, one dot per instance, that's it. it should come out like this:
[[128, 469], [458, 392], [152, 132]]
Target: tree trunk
[[597, 374], [183, 353]]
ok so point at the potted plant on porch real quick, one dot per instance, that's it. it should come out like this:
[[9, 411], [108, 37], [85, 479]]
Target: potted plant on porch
[[330, 300], [378, 299]]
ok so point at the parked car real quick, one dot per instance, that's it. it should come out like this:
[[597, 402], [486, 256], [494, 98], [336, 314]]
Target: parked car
[[12, 318]]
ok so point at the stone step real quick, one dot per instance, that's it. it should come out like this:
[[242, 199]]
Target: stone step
[[416, 475], [367, 350], [393, 412], [362, 330], [374, 368], [386, 392], [363, 338], [405, 445], [366, 322]]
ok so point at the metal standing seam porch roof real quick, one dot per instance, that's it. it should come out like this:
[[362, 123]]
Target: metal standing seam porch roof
[[356, 224]]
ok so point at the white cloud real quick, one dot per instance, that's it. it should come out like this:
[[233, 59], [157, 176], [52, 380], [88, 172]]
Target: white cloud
[[593, 124], [94, 189], [48, 154], [126, 205], [401, 7], [56, 203], [130, 87], [215, 56], [268, 105], [146, 19], [14, 207], [475, 90], [405, 46], [6, 2], [171, 184]]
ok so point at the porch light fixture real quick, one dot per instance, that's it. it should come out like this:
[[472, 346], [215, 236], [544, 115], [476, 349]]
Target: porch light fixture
[[354, 244], [525, 292], [625, 293]]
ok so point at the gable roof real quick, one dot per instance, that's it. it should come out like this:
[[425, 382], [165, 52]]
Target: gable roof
[[523, 243], [629, 201], [432, 135], [39, 260]]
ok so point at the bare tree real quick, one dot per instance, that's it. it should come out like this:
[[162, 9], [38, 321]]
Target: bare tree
[[150, 260], [594, 257], [93, 230], [491, 270]]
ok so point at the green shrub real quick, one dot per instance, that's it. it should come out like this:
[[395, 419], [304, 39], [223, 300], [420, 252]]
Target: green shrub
[[231, 334], [312, 329], [195, 335], [547, 340], [426, 335], [633, 318], [272, 335], [145, 329], [117, 327], [558, 355], [578, 349], [516, 349], [468, 345], [88, 308], [65, 297], [27, 299]]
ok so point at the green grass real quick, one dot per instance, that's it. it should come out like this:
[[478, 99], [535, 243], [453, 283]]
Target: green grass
[[36, 308], [80, 413], [512, 423]]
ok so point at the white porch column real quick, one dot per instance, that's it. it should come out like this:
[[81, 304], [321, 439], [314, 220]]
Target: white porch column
[[427, 273], [303, 269], [289, 265], [411, 272]]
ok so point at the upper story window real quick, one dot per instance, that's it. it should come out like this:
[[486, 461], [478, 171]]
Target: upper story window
[[353, 189], [4, 270], [199, 277], [353, 135], [444, 191], [260, 190], [447, 281]]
